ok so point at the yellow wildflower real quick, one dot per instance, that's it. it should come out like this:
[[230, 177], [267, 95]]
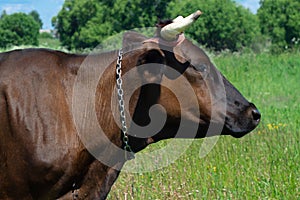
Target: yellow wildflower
[[275, 126], [270, 127], [215, 169]]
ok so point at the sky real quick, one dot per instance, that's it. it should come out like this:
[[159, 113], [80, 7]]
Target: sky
[[50, 8], [46, 8]]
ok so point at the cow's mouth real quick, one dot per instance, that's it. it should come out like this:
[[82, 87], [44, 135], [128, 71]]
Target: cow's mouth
[[236, 133], [241, 126]]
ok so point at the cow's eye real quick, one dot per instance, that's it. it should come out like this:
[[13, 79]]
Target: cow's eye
[[203, 69]]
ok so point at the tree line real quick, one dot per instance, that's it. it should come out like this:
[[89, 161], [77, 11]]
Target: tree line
[[19, 29], [82, 24]]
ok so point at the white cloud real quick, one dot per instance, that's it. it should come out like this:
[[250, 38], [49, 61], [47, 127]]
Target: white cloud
[[253, 5], [17, 7]]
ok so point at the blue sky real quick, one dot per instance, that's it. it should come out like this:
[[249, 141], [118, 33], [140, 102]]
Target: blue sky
[[46, 8], [49, 8]]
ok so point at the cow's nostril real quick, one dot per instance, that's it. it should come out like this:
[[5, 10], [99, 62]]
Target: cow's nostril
[[237, 103], [256, 115]]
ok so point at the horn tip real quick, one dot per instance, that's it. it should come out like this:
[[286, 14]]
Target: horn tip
[[197, 14]]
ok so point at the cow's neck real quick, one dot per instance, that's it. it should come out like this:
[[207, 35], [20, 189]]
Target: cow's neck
[[143, 100], [107, 101], [140, 102], [100, 178]]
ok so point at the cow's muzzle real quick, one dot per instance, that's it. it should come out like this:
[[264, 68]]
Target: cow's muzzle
[[241, 123]]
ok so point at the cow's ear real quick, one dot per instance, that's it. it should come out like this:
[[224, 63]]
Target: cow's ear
[[179, 55], [175, 61], [151, 65]]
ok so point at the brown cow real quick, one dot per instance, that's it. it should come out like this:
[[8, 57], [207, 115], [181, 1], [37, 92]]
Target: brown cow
[[42, 155]]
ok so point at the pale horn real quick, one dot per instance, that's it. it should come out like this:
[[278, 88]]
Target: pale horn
[[179, 24]]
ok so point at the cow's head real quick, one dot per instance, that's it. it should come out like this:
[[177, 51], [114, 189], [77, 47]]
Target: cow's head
[[178, 68]]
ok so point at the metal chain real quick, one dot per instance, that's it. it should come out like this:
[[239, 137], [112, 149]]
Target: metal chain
[[75, 194], [120, 92]]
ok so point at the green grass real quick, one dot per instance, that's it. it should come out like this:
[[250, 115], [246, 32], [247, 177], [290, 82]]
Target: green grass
[[51, 43], [262, 165]]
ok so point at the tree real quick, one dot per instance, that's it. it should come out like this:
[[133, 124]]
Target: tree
[[3, 14], [74, 18], [223, 24], [8, 38], [18, 29], [37, 18], [85, 23], [280, 20]]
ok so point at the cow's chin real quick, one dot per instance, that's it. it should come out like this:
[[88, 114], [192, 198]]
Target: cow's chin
[[236, 132], [216, 129]]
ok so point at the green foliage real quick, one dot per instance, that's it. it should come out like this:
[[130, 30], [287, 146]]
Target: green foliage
[[85, 23], [45, 35], [37, 18], [18, 29], [72, 18], [45, 41], [280, 20], [8, 38], [223, 25], [3, 14]]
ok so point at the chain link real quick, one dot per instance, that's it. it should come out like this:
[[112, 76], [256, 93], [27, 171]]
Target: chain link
[[74, 192], [120, 93]]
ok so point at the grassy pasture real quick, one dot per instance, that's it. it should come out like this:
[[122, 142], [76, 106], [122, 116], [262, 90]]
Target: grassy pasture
[[262, 165], [49, 43]]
